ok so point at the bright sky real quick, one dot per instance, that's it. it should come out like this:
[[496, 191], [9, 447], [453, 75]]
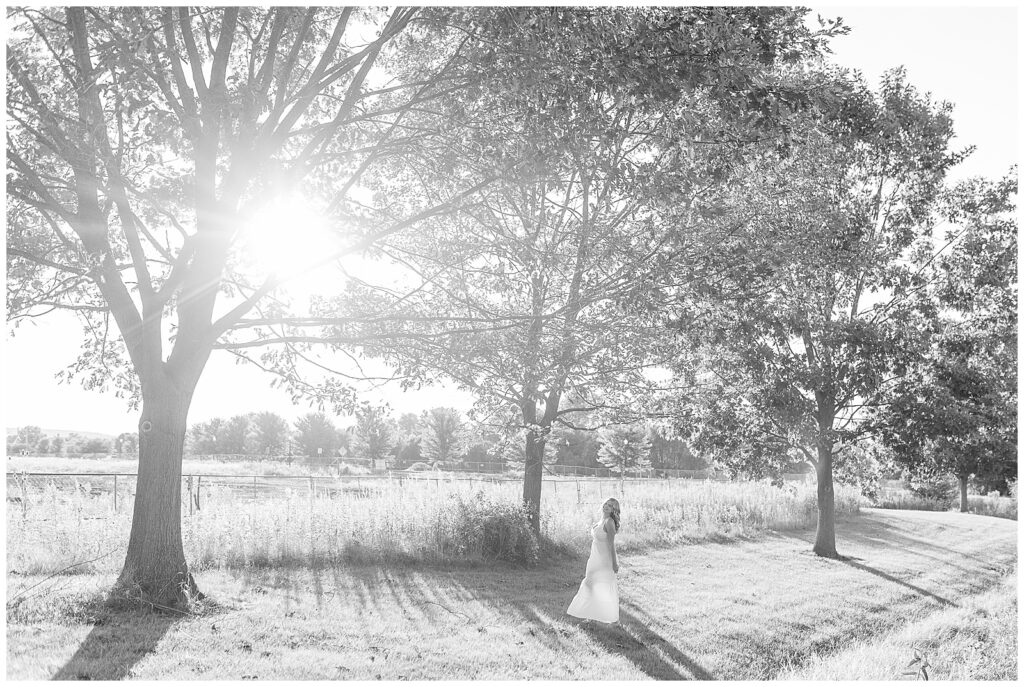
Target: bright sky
[[965, 55]]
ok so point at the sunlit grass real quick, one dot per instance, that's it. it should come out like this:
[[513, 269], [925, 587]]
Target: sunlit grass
[[387, 521], [974, 641]]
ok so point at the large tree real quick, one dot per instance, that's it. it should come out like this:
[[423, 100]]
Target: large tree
[[442, 432], [236, 435], [816, 311], [539, 276], [127, 442], [206, 438], [269, 434], [625, 449], [374, 432], [956, 412], [143, 143], [316, 435]]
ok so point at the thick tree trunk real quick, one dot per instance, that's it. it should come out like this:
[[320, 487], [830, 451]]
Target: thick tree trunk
[[825, 537], [963, 493], [533, 479], [155, 570]]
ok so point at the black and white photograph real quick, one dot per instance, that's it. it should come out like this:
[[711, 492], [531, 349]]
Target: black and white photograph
[[581, 342]]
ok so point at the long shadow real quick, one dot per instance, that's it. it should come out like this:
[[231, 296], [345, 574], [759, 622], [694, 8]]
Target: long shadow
[[116, 643], [874, 534], [881, 540], [633, 637], [646, 648], [894, 539], [886, 576]]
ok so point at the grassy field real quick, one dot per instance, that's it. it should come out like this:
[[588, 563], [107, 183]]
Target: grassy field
[[57, 524], [756, 608]]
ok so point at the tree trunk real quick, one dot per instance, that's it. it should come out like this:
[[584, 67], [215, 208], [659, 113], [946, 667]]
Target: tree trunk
[[533, 478], [963, 493], [825, 537], [155, 570]]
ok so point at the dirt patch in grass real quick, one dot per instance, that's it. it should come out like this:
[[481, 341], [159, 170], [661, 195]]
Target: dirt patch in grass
[[743, 610]]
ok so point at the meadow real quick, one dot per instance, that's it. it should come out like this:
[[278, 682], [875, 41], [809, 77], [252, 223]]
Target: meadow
[[435, 578], [396, 521], [995, 506], [761, 607]]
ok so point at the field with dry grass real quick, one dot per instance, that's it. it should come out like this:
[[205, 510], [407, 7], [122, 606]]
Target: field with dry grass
[[755, 607], [70, 521]]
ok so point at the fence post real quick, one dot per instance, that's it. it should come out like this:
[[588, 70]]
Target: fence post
[[579, 495], [115, 493], [199, 489], [312, 493]]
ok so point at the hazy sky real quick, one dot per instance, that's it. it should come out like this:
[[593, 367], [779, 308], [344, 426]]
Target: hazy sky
[[964, 55]]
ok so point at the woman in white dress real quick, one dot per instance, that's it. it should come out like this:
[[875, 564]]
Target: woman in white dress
[[598, 597]]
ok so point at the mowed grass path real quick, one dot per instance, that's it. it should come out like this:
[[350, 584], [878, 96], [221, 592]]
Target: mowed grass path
[[751, 609]]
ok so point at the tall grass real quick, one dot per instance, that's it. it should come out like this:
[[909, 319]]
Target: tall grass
[[190, 465], [908, 500], [995, 506], [410, 521]]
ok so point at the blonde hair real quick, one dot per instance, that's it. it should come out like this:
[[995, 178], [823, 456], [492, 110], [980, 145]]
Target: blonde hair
[[613, 506]]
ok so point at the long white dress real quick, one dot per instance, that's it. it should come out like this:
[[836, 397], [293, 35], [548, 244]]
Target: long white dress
[[598, 597]]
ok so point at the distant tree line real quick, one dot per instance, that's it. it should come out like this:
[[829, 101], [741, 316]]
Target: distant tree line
[[34, 440], [438, 437]]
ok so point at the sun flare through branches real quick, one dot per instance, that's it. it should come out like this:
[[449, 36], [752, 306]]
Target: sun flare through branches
[[288, 238]]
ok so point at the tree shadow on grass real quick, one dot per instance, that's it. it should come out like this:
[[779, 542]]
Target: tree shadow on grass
[[891, 578], [880, 535], [534, 598], [635, 639], [877, 537], [116, 643]]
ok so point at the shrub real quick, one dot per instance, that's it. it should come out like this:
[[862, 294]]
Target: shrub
[[935, 488], [494, 530]]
